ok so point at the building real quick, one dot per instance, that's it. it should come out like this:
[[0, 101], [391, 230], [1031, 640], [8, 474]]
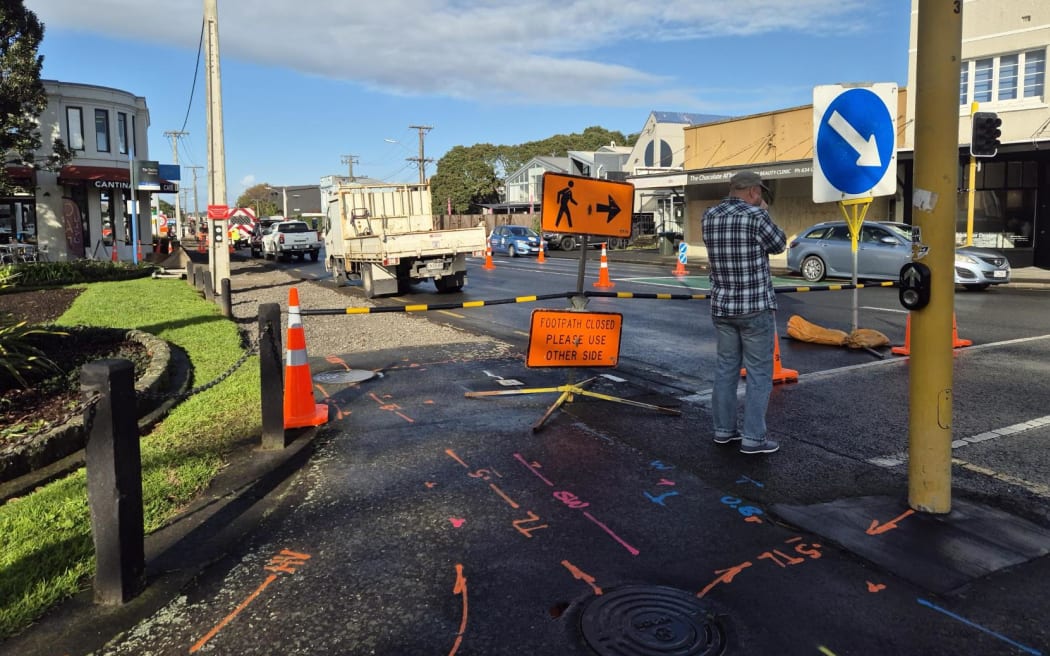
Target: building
[[85, 209], [1004, 51]]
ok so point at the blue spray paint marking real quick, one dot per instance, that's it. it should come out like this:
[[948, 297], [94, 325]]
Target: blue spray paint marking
[[660, 499], [962, 619], [656, 464], [745, 479]]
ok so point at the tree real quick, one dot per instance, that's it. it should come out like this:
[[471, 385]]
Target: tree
[[260, 198], [165, 208], [471, 175], [22, 95]]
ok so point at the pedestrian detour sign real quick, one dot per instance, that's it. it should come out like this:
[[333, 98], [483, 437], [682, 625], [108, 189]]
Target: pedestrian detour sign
[[855, 141], [577, 205]]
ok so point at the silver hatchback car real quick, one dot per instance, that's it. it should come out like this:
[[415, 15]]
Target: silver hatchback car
[[883, 247]]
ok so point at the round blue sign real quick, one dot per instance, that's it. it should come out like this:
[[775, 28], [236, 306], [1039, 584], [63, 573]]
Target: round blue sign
[[855, 141], [683, 253]]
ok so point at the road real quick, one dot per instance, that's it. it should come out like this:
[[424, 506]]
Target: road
[[431, 523]]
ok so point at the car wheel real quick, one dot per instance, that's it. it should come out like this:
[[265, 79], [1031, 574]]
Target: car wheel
[[567, 244], [511, 251], [813, 269], [976, 288]]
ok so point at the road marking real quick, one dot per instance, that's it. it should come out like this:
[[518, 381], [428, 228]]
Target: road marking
[[879, 309], [970, 623]]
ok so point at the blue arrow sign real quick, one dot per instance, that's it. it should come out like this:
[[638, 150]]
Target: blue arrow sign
[[856, 141], [683, 253]]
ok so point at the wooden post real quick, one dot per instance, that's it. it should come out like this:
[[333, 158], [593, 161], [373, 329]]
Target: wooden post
[[271, 375], [226, 298]]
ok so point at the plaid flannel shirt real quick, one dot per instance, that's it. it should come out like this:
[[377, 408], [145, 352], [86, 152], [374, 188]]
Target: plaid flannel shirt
[[740, 238]]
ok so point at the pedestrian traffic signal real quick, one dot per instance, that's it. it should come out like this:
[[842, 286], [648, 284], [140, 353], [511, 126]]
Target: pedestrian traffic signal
[[984, 142], [914, 286]]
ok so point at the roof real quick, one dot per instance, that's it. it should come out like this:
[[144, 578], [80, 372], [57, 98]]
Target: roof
[[687, 118]]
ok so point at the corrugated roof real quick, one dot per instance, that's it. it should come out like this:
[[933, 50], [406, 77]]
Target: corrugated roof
[[687, 118]]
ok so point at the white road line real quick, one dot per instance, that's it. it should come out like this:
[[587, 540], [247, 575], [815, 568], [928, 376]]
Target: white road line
[[879, 309], [898, 459]]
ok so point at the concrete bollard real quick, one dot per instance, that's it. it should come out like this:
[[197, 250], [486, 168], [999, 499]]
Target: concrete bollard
[[114, 480], [271, 375], [209, 288], [189, 273], [226, 298]]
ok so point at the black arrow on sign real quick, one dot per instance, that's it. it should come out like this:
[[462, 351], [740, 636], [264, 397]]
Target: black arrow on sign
[[612, 208]]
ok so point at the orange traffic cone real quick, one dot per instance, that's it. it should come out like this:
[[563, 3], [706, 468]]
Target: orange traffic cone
[[679, 270], [541, 259], [603, 271], [113, 253], [488, 258], [956, 341], [780, 373], [140, 252], [299, 407]]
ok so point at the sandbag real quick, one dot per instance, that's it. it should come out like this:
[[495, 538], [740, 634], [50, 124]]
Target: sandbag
[[804, 331], [866, 338]]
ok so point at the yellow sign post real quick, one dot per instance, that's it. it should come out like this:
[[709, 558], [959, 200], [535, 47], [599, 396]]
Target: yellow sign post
[[855, 209]]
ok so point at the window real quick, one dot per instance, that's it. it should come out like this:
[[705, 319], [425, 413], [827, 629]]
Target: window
[[102, 130], [122, 133], [75, 128], [1006, 78]]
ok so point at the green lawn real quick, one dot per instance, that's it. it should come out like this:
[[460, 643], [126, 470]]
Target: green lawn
[[46, 553]]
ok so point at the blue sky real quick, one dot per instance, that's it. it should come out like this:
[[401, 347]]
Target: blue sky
[[305, 83]]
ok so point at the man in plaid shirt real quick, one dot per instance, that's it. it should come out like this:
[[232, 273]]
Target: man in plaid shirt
[[740, 236]]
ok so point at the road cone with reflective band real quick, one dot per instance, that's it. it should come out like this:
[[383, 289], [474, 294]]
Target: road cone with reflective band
[[299, 407], [113, 252], [488, 258], [679, 269], [541, 259], [780, 373], [957, 342], [603, 271]]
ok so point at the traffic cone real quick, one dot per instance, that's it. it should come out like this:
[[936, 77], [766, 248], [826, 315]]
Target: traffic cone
[[780, 373], [140, 251], [299, 407], [488, 258], [906, 349], [541, 259], [603, 271], [679, 270], [956, 341], [113, 253]]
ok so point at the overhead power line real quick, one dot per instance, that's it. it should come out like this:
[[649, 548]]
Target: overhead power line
[[196, 69]]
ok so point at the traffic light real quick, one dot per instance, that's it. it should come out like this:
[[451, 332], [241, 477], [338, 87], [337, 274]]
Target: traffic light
[[984, 142], [915, 286]]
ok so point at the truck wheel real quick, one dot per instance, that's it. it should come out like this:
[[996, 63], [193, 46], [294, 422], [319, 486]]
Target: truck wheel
[[366, 281], [314, 255], [447, 284], [300, 257], [567, 244]]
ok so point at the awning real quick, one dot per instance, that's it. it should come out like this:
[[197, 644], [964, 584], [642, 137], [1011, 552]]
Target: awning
[[106, 177], [802, 168], [22, 174]]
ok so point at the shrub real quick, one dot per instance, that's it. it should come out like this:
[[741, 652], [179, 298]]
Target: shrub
[[19, 358], [48, 274]]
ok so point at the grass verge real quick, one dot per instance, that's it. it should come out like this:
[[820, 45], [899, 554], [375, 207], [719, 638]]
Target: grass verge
[[46, 552]]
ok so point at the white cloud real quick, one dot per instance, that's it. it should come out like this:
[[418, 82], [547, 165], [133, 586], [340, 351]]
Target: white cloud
[[531, 51], [247, 181]]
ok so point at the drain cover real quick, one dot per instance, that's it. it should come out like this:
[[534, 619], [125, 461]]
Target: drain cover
[[650, 621], [346, 376]]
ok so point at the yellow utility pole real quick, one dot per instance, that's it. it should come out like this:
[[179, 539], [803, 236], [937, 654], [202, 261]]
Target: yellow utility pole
[[971, 185], [934, 204]]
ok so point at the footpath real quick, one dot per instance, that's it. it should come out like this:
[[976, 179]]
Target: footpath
[[421, 521]]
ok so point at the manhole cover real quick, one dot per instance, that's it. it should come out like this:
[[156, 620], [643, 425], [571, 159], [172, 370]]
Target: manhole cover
[[650, 621], [346, 376]]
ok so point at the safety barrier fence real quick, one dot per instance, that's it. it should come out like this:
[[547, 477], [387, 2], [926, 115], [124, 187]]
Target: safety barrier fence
[[428, 307]]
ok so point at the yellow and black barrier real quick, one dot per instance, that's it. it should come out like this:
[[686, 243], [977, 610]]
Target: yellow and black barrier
[[427, 307]]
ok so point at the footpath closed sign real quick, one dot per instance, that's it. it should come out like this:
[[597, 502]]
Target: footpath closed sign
[[565, 338]]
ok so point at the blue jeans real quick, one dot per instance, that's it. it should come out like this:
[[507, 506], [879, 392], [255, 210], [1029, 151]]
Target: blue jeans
[[744, 340]]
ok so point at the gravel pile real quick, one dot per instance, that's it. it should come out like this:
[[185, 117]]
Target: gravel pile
[[253, 284]]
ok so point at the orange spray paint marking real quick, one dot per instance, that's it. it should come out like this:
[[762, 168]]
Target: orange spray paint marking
[[877, 529], [527, 531], [286, 562], [727, 576], [753, 520], [428, 402], [579, 574], [236, 611], [430, 484], [452, 454], [460, 588], [335, 359], [511, 502], [391, 407], [875, 587]]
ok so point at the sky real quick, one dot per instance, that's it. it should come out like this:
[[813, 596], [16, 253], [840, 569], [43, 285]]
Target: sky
[[307, 83]]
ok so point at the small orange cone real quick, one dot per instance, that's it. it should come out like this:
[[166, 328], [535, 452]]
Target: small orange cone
[[679, 270], [140, 252], [780, 373], [541, 259], [299, 407], [113, 252], [906, 349], [603, 271], [956, 341], [488, 258]]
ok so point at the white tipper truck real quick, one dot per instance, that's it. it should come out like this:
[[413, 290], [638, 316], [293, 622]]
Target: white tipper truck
[[385, 235]]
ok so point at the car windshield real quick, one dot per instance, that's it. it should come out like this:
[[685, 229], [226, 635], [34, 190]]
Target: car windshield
[[521, 232]]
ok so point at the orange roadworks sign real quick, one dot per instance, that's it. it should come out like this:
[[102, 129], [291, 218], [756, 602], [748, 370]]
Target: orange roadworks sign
[[587, 206], [218, 212], [565, 338]]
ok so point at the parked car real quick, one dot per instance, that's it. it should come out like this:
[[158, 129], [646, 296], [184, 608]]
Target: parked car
[[261, 226], [883, 247], [514, 240], [565, 242]]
